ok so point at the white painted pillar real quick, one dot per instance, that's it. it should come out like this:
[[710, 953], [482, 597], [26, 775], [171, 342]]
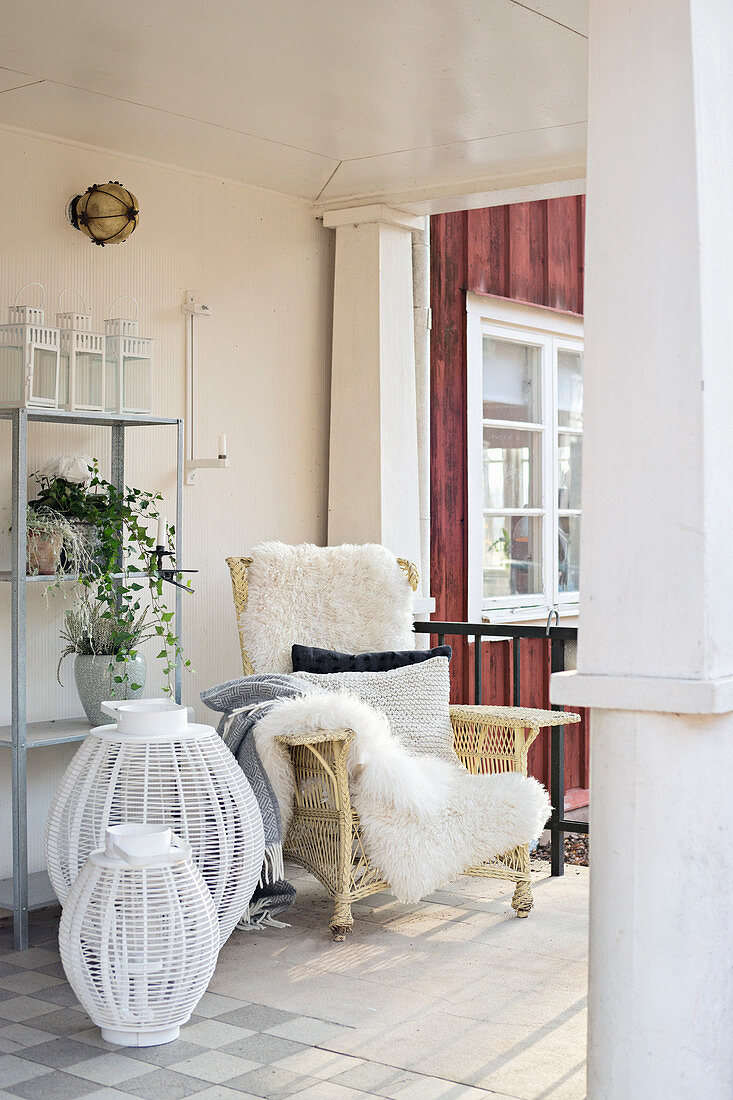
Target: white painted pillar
[[655, 659], [422, 325], [373, 471]]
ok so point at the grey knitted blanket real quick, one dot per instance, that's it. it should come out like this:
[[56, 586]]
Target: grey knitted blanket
[[243, 703]]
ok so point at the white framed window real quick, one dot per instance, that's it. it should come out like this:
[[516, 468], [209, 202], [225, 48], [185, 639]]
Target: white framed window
[[525, 432]]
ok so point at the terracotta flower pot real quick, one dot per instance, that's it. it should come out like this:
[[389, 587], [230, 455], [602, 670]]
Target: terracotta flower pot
[[43, 552]]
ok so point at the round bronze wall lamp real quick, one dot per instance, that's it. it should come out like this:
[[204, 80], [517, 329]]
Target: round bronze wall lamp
[[107, 213]]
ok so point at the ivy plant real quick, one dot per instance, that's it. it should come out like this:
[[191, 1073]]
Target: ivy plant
[[119, 575]]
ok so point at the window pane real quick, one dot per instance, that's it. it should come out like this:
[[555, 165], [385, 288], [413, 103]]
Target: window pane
[[89, 381], [511, 381], [136, 384], [512, 555], [570, 389], [12, 375], [569, 466], [569, 553], [64, 379], [44, 374], [512, 468]]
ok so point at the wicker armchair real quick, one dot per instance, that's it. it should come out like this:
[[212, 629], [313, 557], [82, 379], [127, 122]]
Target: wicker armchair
[[325, 834]]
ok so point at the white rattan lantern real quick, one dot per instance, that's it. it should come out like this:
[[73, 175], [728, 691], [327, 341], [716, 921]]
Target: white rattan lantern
[[138, 936], [29, 357], [152, 767], [81, 377], [128, 380]]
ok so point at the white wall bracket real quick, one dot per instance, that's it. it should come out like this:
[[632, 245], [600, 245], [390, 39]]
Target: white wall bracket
[[191, 309], [195, 464]]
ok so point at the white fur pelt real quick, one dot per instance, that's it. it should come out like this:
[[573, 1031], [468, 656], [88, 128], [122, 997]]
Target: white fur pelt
[[424, 820], [350, 598]]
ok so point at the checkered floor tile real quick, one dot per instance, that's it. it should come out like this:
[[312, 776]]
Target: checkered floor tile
[[51, 1050], [421, 1004]]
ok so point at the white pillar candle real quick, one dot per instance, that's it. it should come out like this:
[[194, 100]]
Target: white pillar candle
[[222, 445], [161, 540]]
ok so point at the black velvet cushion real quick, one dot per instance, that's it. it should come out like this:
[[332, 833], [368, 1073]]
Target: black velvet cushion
[[307, 658]]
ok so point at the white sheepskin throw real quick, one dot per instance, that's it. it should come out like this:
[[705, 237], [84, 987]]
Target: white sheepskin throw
[[424, 820], [350, 598]]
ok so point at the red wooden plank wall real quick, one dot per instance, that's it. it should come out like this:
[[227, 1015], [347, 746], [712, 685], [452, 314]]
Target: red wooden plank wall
[[532, 252], [449, 490]]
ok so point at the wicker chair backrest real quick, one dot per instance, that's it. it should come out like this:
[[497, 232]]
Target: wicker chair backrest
[[238, 568]]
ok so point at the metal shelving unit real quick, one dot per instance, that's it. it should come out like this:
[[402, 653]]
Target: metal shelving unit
[[25, 892]]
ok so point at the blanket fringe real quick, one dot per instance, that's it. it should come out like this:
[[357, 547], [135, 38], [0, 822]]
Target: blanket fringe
[[273, 865], [257, 915]]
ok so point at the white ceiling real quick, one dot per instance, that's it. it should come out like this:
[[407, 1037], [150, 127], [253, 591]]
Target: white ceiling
[[329, 100]]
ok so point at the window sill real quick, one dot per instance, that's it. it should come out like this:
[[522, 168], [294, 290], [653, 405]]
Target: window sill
[[527, 616]]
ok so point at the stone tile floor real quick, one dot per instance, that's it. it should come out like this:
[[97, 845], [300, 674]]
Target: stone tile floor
[[453, 998]]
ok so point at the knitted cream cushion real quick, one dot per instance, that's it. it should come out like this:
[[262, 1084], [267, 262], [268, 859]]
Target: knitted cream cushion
[[415, 700]]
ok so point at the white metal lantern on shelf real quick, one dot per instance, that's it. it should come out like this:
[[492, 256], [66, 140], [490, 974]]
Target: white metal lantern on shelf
[[29, 356], [128, 380], [138, 936], [81, 377], [153, 767]]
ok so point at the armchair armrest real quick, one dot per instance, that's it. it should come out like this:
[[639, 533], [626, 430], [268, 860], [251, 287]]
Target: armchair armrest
[[318, 758], [491, 739], [314, 737]]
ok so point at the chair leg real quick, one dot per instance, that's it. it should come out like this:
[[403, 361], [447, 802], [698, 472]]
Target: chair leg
[[522, 901], [342, 922]]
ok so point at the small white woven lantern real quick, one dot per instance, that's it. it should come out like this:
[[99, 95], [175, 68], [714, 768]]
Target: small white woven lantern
[[29, 357], [128, 376], [139, 936], [153, 767], [81, 378]]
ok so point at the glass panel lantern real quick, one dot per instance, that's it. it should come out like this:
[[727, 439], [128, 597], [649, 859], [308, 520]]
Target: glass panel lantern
[[29, 357], [81, 378], [128, 377]]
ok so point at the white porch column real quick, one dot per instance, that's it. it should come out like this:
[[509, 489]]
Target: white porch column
[[373, 475], [422, 321], [655, 659]]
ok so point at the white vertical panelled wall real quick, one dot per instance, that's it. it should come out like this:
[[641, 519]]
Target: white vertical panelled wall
[[656, 646], [264, 264]]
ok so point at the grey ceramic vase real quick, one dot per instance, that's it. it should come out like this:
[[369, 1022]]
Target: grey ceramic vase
[[95, 682]]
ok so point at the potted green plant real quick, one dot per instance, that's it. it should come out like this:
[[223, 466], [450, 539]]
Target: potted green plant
[[44, 541], [107, 662], [53, 545], [123, 577], [114, 524], [64, 487]]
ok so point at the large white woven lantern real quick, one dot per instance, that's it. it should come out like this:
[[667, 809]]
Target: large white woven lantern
[[153, 767], [29, 356], [139, 936]]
